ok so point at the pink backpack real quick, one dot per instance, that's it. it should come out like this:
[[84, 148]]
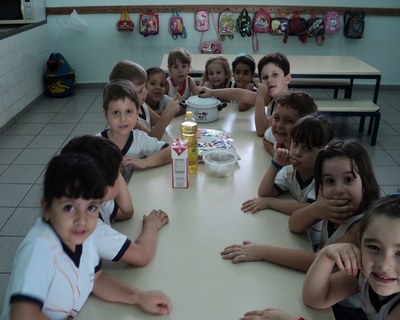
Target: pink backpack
[[261, 24], [331, 22], [201, 20]]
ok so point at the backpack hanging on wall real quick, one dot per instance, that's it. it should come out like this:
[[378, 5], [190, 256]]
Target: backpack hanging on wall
[[261, 24], [280, 25], [176, 26], [201, 20], [298, 27], [148, 24], [353, 24], [243, 24], [331, 22], [59, 78], [315, 28], [226, 24]]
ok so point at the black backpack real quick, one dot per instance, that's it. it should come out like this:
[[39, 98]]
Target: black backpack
[[353, 24]]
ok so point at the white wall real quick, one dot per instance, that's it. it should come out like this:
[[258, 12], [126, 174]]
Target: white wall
[[22, 64]]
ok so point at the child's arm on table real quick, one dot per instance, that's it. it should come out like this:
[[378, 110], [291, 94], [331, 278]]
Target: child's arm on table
[[268, 314], [235, 94], [124, 200], [23, 310], [262, 121], [321, 287], [333, 210], [292, 258], [110, 289], [142, 251], [243, 106], [171, 109], [158, 159]]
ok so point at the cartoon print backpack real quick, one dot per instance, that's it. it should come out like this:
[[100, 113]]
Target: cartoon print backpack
[[261, 24], [243, 24], [201, 20], [298, 27], [59, 78], [331, 22], [315, 28], [148, 24], [353, 24], [176, 26], [280, 25], [226, 24]]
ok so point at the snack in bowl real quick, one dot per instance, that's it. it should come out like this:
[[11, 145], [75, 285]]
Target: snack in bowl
[[220, 162], [210, 139]]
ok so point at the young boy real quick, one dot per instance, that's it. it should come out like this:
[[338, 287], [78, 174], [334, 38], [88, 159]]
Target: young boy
[[274, 74], [148, 120], [57, 265], [117, 205], [179, 82], [120, 107]]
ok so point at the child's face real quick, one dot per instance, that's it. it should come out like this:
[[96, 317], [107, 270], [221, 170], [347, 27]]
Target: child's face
[[72, 219], [216, 75], [121, 116], [179, 71], [283, 120], [339, 183], [141, 92], [380, 251], [275, 80], [242, 75], [303, 157], [155, 86]]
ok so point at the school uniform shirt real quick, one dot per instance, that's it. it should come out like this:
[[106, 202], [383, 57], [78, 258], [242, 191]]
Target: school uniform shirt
[[268, 135], [184, 91], [375, 309], [48, 274], [288, 179], [144, 116]]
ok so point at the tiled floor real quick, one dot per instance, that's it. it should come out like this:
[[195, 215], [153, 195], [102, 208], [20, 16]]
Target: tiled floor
[[28, 145]]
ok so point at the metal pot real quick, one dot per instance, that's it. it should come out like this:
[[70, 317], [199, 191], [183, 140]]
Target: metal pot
[[204, 109]]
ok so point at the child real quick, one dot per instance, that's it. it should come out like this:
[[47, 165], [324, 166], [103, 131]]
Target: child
[[292, 170], [217, 73], [179, 82], [57, 265], [121, 107], [148, 120], [243, 68], [117, 205], [156, 98], [370, 268]]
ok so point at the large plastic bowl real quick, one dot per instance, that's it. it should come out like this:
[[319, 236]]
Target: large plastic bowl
[[220, 162]]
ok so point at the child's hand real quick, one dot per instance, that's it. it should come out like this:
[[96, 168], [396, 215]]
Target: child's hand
[[156, 218], [262, 90], [269, 313], [247, 251], [254, 205], [155, 302], [172, 107], [204, 92], [347, 256], [134, 162], [334, 210], [282, 156]]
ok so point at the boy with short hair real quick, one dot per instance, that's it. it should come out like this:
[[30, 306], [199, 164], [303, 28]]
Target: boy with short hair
[[117, 205], [148, 120], [120, 107], [57, 265]]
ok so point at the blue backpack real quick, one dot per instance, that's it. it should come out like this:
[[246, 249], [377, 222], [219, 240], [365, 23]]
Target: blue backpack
[[59, 78]]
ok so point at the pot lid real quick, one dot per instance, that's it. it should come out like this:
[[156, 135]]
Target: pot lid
[[198, 102]]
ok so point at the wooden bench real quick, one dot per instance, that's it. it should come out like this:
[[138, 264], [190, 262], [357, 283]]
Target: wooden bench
[[351, 107], [322, 83]]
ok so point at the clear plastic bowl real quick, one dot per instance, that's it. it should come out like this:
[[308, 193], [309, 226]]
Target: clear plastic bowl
[[220, 162]]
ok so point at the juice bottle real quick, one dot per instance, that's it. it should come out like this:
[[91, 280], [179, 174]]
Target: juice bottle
[[189, 133]]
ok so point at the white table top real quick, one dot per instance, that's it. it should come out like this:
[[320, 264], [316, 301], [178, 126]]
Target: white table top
[[204, 219], [299, 65]]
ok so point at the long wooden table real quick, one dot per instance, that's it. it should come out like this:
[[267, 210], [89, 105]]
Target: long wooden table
[[204, 219], [306, 66]]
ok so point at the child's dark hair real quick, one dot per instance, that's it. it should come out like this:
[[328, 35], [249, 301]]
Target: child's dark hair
[[276, 58], [360, 163], [300, 101], [128, 70], [388, 206], [244, 59], [154, 70], [179, 54], [119, 89], [313, 130], [105, 152], [73, 175]]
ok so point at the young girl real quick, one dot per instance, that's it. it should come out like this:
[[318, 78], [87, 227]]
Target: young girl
[[57, 265], [156, 98], [371, 268], [217, 73], [243, 68], [179, 82]]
